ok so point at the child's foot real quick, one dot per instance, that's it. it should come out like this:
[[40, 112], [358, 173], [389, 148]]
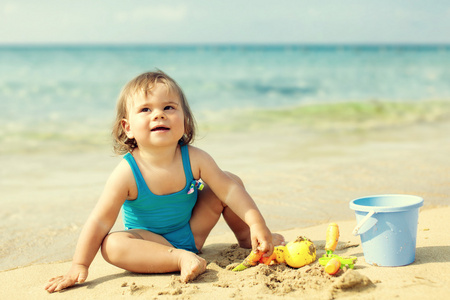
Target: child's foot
[[278, 239], [191, 266]]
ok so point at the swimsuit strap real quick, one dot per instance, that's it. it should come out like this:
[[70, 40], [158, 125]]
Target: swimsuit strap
[[186, 163], [140, 182]]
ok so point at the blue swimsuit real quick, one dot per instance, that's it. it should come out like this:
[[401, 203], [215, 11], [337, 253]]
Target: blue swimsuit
[[166, 215]]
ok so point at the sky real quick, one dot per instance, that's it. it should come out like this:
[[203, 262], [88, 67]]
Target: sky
[[223, 22]]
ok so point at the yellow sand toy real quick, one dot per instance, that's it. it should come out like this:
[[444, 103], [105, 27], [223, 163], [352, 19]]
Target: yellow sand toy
[[332, 262], [295, 254]]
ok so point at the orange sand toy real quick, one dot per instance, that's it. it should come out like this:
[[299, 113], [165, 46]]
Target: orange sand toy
[[333, 266], [332, 237], [295, 254]]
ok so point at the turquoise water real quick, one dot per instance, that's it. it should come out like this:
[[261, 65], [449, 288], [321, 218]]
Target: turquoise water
[[68, 91]]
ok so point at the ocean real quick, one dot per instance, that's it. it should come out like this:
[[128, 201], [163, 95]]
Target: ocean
[[52, 92]]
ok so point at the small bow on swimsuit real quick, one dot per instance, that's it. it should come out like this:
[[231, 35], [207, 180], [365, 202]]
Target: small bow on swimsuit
[[196, 184]]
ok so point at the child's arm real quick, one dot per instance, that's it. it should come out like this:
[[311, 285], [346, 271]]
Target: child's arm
[[98, 225], [236, 197]]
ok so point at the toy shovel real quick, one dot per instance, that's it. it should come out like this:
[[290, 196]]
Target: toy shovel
[[332, 238]]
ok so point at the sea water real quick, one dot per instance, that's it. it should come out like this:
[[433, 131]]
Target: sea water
[[57, 91]]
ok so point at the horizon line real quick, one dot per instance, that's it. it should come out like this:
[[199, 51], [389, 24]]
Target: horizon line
[[223, 44]]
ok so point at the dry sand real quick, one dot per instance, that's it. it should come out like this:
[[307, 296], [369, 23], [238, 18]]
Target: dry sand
[[300, 181]]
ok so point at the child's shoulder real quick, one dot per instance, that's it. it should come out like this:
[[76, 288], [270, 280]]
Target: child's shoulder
[[122, 171], [200, 158], [197, 153]]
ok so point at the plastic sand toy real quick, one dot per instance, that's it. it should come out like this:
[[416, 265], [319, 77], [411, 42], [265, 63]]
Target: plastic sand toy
[[333, 262], [295, 254]]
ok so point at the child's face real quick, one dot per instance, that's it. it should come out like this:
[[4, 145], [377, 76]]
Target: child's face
[[155, 120]]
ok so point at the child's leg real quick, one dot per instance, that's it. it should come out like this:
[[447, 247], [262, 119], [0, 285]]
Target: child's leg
[[142, 251], [207, 212]]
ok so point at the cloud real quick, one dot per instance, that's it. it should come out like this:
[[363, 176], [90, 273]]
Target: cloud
[[154, 13]]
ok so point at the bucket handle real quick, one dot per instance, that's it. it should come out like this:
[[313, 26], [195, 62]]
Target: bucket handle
[[361, 223]]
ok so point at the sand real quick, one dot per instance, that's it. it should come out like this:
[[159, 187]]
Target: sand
[[429, 274], [300, 180]]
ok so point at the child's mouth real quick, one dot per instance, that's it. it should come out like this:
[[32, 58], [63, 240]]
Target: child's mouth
[[159, 129]]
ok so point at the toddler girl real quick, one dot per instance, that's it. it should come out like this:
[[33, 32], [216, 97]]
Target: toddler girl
[[157, 185]]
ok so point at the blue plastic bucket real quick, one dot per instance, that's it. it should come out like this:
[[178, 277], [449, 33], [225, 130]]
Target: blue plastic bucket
[[387, 225]]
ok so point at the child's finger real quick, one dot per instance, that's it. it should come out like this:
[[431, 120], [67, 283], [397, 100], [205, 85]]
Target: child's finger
[[49, 283], [53, 283], [59, 284], [63, 285], [255, 244], [82, 277], [266, 247]]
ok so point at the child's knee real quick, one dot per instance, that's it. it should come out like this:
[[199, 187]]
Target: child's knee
[[106, 245], [113, 246]]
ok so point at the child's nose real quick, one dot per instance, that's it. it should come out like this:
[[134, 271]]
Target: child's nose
[[159, 114]]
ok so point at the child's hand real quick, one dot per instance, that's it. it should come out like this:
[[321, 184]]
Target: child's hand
[[261, 239], [77, 273]]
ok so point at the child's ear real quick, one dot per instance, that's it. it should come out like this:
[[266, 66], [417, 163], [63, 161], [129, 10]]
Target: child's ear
[[126, 127]]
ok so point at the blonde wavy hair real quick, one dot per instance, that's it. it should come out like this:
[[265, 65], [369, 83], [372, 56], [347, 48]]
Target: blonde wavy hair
[[138, 87]]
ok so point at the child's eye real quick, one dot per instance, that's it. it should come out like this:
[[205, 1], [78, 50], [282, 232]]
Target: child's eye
[[145, 109], [168, 107]]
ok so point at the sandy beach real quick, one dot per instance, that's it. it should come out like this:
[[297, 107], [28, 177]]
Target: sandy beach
[[301, 180], [429, 274]]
